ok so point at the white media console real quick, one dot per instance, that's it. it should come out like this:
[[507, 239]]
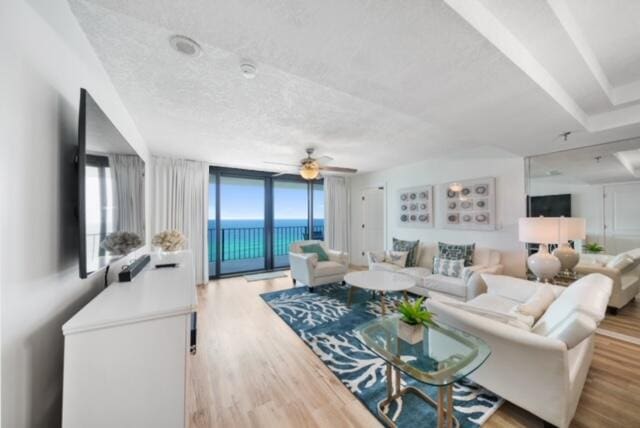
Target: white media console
[[126, 353]]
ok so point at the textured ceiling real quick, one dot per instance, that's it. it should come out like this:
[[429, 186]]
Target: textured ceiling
[[372, 84]]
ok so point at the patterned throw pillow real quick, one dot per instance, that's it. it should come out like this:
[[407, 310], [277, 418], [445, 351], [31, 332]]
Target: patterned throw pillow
[[455, 252], [411, 247], [448, 267], [466, 274]]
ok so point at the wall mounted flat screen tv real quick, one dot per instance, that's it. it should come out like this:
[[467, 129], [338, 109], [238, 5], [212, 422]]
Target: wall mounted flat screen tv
[[111, 195], [550, 206]]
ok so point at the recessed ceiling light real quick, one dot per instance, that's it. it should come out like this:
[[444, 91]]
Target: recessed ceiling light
[[248, 69], [185, 45]]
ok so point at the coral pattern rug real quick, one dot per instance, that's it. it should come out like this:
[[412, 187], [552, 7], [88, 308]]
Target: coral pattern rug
[[325, 323]]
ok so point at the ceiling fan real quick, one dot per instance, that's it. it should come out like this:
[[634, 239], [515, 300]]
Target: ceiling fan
[[309, 167]]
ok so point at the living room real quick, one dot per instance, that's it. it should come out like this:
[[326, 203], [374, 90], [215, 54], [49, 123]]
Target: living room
[[320, 214]]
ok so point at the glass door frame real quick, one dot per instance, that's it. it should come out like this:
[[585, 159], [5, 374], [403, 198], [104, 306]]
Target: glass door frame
[[268, 179]]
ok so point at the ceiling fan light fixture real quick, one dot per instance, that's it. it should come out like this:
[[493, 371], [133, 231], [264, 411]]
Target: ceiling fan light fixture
[[455, 187], [310, 171]]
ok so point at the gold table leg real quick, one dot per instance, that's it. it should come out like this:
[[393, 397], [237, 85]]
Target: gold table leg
[[350, 296], [446, 418], [382, 305]]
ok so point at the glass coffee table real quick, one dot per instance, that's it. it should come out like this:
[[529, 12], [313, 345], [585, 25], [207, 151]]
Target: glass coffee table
[[444, 356]]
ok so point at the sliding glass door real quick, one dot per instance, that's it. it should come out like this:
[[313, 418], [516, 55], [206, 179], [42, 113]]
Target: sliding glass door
[[254, 217]]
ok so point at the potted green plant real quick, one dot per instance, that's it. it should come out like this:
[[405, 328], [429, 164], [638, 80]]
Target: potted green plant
[[411, 324], [592, 247]]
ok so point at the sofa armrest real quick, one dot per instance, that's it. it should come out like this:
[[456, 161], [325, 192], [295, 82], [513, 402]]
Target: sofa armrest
[[302, 266], [341, 257], [372, 256], [593, 268]]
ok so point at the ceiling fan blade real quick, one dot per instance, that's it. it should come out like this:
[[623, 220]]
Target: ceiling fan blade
[[282, 163], [338, 169], [324, 159], [280, 173]]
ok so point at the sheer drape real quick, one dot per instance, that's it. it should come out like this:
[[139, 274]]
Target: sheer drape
[[127, 177], [336, 213], [181, 201]]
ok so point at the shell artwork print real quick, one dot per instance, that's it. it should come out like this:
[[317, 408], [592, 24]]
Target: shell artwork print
[[471, 206], [415, 208]]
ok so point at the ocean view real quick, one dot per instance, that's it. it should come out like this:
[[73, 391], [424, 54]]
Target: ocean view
[[244, 239]]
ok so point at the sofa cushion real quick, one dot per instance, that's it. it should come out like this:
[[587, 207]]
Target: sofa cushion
[[589, 295], [454, 252], [329, 268], [634, 254], [446, 267], [412, 247], [385, 266], [446, 284], [416, 272], [494, 302]]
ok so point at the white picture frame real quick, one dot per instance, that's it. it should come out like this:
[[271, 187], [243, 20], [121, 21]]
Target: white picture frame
[[471, 208], [414, 207]]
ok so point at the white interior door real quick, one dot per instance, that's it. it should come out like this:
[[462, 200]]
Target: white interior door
[[622, 217], [372, 221]]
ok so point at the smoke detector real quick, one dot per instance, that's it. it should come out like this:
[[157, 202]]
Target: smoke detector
[[185, 45], [248, 69]]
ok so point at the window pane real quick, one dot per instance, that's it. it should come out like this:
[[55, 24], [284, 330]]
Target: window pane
[[290, 217], [242, 224], [318, 210], [211, 229]]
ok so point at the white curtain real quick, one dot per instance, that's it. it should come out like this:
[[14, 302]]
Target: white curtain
[[181, 202], [127, 178], [336, 213]]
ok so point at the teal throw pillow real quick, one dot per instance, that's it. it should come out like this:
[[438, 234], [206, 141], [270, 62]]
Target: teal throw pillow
[[316, 249]]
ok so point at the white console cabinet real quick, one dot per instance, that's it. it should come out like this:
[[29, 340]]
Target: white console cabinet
[[126, 353]]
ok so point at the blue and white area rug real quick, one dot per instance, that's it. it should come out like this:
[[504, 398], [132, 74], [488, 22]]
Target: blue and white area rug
[[325, 323]]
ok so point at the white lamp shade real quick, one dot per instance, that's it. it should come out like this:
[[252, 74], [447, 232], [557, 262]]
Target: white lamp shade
[[572, 228], [539, 230]]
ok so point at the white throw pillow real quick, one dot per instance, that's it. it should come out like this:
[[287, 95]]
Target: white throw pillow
[[398, 258], [377, 257], [620, 262], [538, 303], [446, 267]]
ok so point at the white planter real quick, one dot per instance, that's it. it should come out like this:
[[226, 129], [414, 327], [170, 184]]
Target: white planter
[[411, 334]]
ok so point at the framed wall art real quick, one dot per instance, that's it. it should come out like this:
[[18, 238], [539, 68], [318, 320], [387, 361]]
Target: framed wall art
[[415, 206], [470, 204]]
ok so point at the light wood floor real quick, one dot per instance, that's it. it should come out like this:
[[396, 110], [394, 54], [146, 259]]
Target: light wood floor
[[251, 370], [626, 321]]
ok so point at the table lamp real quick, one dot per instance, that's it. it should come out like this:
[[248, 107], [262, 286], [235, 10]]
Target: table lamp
[[542, 231], [571, 229]]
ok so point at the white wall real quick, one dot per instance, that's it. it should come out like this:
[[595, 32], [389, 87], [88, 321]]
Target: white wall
[[45, 59], [510, 203]]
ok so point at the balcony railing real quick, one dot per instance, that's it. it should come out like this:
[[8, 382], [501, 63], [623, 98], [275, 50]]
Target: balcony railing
[[248, 242]]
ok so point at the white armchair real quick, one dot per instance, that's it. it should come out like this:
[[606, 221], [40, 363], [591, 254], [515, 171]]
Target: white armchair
[[542, 370], [306, 269], [626, 281]]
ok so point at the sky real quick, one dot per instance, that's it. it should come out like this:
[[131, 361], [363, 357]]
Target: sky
[[243, 199]]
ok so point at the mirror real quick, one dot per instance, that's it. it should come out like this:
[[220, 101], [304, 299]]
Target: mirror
[[111, 191]]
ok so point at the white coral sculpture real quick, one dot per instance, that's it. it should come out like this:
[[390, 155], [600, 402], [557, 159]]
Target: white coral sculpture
[[169, 240], [121, 243]]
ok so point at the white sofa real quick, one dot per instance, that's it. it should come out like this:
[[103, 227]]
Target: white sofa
[[543, 369], [626, 282], [306, 268], [485, 260]]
